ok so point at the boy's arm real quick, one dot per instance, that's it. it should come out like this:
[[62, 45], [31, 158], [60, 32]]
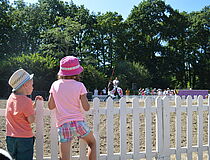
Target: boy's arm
[[51, 102], [84, 101], [31, 118], [37, 98]]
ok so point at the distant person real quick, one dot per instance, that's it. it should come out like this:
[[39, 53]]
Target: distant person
[[95, 92], [127, 92], [68, 97], [110, 88], [113, 90], [4, 155], [19, 116], [116, 82], [104, 91]]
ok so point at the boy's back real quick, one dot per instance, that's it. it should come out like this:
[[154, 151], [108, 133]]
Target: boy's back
[[19, 115], [18, 108]]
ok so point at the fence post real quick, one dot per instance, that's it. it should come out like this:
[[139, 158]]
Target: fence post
[[178, 127], [200, 127], [39, 129], [96, 123], [148, 120], [166, 129], [123, 138], [82, 149], [209, 126], [136, 135], [53, 137], [189, 127], [110, 128], [159, 127]]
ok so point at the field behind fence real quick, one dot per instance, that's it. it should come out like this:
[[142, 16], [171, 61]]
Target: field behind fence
[[160, 129]]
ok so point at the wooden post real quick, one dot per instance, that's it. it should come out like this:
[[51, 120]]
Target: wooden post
[[159, 128], [136, 121], [178, 127], [200, 128], [189, 127], [39, 130], [53, 137], [123, 139], [148, 124], [209, 127], [110, 128], [82, 149], [96, 123], [166, 128]]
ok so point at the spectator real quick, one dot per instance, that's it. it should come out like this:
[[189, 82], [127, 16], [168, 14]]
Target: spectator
[[95, 93]]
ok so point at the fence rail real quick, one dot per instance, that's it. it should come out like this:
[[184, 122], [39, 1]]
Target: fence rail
[[161, 110]]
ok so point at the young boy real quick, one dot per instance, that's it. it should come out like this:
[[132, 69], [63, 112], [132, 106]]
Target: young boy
[[19, 115]]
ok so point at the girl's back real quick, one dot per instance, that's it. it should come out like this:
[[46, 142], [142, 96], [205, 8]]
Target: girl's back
[[66, 93]]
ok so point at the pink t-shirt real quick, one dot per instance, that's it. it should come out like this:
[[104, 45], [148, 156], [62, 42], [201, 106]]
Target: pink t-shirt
[[66, 94], [18, 108]]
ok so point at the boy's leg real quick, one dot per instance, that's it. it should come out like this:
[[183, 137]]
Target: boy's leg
[[90, 140], [65, 150], [25, 148], [11, 146]]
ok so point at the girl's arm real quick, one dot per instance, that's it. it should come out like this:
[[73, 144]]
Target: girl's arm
[[51, 102], [84, 101]]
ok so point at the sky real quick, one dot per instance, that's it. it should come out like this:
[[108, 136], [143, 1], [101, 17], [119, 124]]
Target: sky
[[124, 7]]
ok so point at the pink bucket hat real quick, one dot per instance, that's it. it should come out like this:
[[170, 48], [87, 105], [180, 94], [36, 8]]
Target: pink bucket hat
[[69, 66]]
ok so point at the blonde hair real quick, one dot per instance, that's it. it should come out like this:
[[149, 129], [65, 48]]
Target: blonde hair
[[75, 77]]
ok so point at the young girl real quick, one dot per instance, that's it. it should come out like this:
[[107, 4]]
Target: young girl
[[68, 97]]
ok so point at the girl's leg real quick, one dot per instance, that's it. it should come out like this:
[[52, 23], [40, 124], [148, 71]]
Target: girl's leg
[[90, 140], [65, 150]]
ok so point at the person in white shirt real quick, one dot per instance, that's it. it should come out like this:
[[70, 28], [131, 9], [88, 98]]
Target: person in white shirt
[[96, 92], [116, 82]]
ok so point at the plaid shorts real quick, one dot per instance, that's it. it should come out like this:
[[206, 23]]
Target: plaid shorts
[[67, 131]]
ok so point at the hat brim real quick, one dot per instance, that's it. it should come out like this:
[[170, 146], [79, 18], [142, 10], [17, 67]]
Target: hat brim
[[27, 79], [70, 72]]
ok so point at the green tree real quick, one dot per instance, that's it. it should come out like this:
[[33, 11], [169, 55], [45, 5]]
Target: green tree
[[105, 41], [58, 41], [44, 68], [132, 72], [153, 29], [199, 43], [6, 29], [93, 78]]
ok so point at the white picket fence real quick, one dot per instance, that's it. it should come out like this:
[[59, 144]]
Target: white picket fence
[[162, 109]]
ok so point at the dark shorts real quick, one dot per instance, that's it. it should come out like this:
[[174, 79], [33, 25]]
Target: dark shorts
[[20, 148]]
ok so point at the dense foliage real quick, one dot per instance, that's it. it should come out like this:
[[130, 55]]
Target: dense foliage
[[156, 46]]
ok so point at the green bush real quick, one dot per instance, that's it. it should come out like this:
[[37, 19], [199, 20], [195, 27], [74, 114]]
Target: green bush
[[44, 69], [129, 73], [92, 78]]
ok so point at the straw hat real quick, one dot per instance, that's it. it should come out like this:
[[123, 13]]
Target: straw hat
[[69, 66], [19, 78]]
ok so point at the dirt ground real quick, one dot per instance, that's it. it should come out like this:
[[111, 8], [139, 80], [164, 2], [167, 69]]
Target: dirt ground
[[102, 132]]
